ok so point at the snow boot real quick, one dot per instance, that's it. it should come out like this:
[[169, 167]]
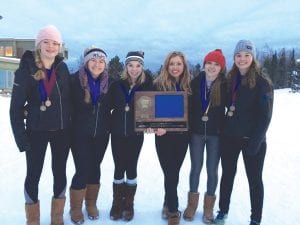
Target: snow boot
[[57, 211], [32, 213], [128, 211], [174, 218], [208, 208], [254, 223], [192, 204], [220, 218], [76, 200], [118, 201], [91, 196]]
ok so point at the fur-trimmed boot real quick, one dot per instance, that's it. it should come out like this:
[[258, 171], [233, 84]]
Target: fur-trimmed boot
[[128, 211], [91, 196], [57, 211], [208, 208], [76, 200], [174, 218], [192, 204], [118, 201], [32, 213]]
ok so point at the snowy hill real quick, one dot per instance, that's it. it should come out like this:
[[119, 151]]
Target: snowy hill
[[281, 177]]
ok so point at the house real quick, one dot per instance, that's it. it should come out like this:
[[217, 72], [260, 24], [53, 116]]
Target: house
[[11, 50]]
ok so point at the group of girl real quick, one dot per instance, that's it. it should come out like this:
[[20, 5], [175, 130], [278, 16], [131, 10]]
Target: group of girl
[[227, 115]]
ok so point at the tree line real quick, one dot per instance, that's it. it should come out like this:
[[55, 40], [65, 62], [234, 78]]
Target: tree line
[[282, 66]]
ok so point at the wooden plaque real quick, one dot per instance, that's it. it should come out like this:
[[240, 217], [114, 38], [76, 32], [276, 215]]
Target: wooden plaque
[[156, 109]]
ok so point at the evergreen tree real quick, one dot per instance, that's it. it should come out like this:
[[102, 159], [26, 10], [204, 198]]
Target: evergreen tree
[[115, 67]]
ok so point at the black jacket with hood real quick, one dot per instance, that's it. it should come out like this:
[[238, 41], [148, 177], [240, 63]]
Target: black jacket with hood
[[26, 92], [87, 118], [122, 121], [216, 114]]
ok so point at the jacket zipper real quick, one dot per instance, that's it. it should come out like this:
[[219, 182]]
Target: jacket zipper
[[60, 103], [97, 116]]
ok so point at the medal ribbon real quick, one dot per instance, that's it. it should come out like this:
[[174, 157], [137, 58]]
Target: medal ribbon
[[94, 86], [235, 86], [46, 85], [128, 95], [205, 96]]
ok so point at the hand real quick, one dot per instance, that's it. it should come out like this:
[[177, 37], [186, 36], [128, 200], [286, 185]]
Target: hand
[[149, 131], [160, 131]]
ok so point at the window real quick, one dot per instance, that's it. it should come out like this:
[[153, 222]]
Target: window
[[8, 51]]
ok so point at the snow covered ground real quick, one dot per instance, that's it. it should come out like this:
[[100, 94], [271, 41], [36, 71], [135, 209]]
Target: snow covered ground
[[281, 177]]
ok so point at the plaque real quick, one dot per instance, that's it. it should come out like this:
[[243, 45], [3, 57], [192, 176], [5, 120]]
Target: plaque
[[156, 109]]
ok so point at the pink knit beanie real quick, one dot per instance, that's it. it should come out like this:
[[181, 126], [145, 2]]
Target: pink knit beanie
[[49, 32]]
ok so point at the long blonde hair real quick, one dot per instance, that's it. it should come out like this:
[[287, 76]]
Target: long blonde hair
[[40, 73], [165, 82]]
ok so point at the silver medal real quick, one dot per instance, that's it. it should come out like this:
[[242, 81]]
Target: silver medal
[[204, 118], [48, 103], [43, 108], [230, 113], [232, 108], [127, 108]]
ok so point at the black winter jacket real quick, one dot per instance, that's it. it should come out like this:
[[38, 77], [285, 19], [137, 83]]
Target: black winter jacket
[[122, 121], [252, 115], [216, 115], [26, 92], [86, 118]]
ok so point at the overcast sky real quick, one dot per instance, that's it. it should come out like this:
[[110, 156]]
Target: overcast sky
[[157, 26]]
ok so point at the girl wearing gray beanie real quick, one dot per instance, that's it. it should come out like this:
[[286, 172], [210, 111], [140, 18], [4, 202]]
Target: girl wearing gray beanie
[[249, 112]]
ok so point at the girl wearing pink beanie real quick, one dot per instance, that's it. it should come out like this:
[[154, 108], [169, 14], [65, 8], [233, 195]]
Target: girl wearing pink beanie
[[42, 84]]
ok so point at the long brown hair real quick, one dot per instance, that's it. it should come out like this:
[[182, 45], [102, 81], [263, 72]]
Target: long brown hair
[[215, 94], [250, 77], [165, 82]]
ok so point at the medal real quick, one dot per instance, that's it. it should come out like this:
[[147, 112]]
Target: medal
[[232, 108], [230, 113], [43, 108], [204, 118], [48, 102], [127, 108]]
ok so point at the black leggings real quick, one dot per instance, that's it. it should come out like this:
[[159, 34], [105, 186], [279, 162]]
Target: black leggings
[[88, 153], [126, 151], [171, 149], [230, 150], [59, 144]]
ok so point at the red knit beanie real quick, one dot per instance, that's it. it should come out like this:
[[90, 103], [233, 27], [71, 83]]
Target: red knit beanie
[[216, 56]]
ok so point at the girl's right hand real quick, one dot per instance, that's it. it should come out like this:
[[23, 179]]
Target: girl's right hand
[[160, 131]]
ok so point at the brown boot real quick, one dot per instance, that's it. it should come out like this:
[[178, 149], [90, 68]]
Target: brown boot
[[174, 218], [91, 196], [32, 213], [76, 200], [208, 208], [128, 211], [189, 212], [117, 204], [57, 211]]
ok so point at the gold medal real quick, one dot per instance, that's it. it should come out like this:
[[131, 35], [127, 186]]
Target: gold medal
[[230, 113], [127, 108], [232, 108], [43, 108], [48, 102], [204, 118]]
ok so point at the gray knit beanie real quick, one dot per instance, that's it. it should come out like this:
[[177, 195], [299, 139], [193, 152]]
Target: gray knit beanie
[[245, 46]]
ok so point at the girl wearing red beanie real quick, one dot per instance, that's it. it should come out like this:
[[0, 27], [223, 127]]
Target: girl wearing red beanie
[[207, 111]]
